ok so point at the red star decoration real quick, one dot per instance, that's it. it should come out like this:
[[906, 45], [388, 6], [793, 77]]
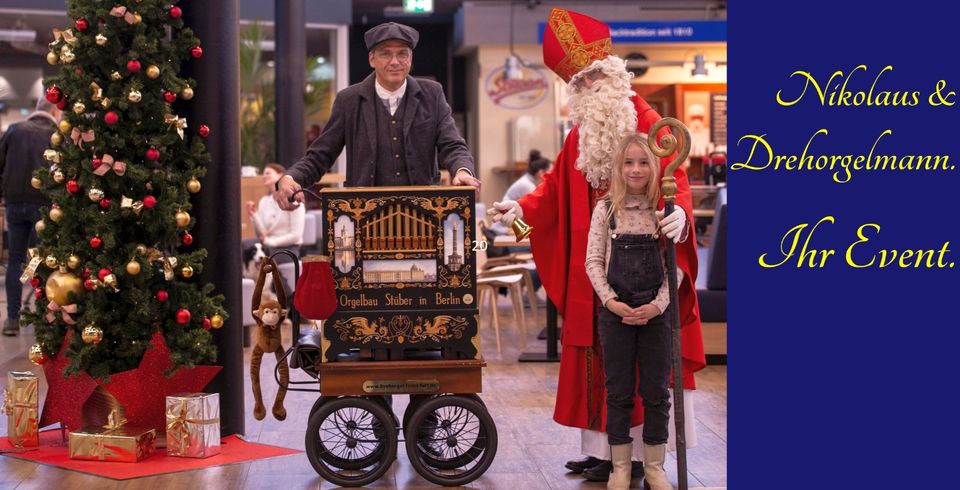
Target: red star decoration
[[136, 389]]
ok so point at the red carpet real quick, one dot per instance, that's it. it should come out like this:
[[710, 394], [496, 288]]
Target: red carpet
[[232, 450]]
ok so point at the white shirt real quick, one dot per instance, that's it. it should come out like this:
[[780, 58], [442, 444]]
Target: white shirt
[[281, 228], [392, 98]]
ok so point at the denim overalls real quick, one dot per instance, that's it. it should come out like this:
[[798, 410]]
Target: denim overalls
[[635, 273]]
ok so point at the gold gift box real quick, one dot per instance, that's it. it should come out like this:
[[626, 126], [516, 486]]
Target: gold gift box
[[193, 425], [21, 404], [113, 442]]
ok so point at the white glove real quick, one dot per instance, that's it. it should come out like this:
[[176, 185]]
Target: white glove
[[505, 212], [674, 225]]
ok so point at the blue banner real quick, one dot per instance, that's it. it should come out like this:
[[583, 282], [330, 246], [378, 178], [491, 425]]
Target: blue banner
[[684, 31]]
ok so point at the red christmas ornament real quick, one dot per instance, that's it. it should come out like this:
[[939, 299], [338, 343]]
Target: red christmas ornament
[[96, 242], [35, 281], [203, 130], [111, 118], [72, 186], [89, 285], [196, 51], [82, 24], [206, 324], [62, 105], [149, 202], [133, 66], [38, 293], [162, 296], [169, 96], [187, 239], [96, 162], [183, 316], [175, 12], [53, 94], [153, 154], [105, 204], [104, 273]]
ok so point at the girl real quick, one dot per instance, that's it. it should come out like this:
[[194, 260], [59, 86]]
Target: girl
[[626, 266]]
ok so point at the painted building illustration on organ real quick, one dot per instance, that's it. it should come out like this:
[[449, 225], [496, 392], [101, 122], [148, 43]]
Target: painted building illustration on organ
[[388, 271]]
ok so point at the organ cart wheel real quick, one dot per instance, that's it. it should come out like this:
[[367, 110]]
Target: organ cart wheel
[[451, 440], [351, 441]]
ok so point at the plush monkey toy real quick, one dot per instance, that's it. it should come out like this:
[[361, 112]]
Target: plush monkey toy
[[269, 316]]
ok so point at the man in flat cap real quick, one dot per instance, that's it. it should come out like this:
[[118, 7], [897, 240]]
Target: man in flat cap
[[396, 129]]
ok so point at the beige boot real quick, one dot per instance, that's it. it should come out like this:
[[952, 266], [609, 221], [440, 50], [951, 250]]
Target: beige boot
[[620, 456], [653, 475]]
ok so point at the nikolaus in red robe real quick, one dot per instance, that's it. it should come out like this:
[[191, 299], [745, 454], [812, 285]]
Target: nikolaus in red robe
[[559, 210]]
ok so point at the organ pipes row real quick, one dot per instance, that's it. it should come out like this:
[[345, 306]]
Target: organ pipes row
[[398, 229]]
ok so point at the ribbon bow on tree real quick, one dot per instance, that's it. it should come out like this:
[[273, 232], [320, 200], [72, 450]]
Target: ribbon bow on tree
[[65, 312], [108, 163], [66, 35], [121, 11], [79, 137], [179, 123]]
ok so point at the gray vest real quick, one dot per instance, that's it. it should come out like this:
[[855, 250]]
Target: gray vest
[[391, 166]]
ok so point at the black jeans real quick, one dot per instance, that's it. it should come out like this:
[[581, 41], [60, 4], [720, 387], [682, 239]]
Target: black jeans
[[625, 349], [21, 218]]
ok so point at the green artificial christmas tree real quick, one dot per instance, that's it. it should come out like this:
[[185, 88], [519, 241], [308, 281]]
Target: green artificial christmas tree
[[115, 263]]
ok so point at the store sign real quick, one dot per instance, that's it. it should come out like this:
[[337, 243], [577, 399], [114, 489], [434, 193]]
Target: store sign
[[663, 32], [524, 92]]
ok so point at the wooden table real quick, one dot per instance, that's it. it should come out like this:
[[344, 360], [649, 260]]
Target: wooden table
[[510, 241]]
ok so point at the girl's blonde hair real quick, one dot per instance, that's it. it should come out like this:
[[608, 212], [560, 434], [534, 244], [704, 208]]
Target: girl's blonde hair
[[617, 197]]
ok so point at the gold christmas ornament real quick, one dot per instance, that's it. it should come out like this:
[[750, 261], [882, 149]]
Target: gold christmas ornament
[[187, 271], [115, 76], [36, 183], [61, 284], [92, 334], [193, 185], [40, 226], [136, 18], [142, 249], [36, 355], [134, 96], [216, 321], [65, 126], [56, 214], [58, 176], [66, 54], [73, 261], [95, 194], [153, 72], [51, 261], [79, 107], [133, 267], [101, 39], [56, 139], [183, 219], [52, 58], [186, 93]]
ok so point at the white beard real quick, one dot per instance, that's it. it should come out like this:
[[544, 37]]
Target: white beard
[[605, 114]]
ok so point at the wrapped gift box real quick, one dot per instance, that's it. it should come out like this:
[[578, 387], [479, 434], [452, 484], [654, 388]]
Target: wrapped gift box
[[193, 425], [113, 442], [21, 405]]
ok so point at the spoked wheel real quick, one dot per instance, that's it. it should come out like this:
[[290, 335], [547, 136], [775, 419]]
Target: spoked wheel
[[451, 440], [351, 441]]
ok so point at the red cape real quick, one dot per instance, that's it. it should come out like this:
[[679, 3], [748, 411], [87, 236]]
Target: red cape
[[559, 210]]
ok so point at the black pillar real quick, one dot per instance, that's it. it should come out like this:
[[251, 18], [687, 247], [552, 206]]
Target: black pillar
[[291, 55], [217, 205]]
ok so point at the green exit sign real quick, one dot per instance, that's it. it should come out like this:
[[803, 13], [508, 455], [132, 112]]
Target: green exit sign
[[418, 6]]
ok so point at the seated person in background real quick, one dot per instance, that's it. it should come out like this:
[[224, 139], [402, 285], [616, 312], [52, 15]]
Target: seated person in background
[[536, 168], [275, 229]]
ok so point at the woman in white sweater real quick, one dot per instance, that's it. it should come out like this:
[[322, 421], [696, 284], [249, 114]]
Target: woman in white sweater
[[275, 228]]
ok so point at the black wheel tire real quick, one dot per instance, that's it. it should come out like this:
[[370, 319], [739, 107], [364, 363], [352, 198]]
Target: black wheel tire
[[374, 424], [466, 459]]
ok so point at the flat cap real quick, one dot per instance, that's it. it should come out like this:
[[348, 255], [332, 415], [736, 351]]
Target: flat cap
[[391, 30]]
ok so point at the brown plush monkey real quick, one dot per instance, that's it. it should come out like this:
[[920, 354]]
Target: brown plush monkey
[[269, 316]]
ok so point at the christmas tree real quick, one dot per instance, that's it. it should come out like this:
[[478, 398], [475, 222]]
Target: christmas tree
[[114, 262]]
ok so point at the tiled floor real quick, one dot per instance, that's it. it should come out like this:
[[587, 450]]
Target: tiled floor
[[520, 397]]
